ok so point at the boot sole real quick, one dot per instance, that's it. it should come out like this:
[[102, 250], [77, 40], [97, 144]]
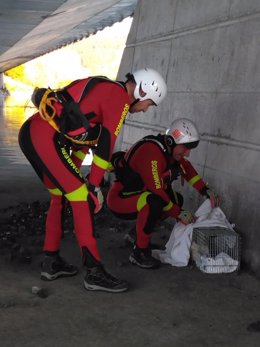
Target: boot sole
[[147, 267], [93, 287], [45, 276]]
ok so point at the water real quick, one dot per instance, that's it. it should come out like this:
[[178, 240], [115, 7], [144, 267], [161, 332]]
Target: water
[[18, 181], [11, 120]]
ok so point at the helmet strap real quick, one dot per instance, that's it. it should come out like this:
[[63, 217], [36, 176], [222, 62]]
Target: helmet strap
[[170, 144], [134, 102]]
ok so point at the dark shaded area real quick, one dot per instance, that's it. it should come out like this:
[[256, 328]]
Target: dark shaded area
[[22, 229], [254, 327]]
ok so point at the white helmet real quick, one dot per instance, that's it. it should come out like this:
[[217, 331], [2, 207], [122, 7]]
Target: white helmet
[[184, 131], [152, 83]]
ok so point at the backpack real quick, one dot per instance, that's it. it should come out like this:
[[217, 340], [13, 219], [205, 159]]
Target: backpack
[[131, 180], [71, 116]]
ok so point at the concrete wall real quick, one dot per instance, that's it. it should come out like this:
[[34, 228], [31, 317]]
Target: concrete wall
[[209, 53]]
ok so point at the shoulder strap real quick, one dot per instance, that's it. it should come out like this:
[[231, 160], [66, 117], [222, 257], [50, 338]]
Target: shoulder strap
[[93, 81], [91, 84], [71, 107], [149, 138], [65, 95]]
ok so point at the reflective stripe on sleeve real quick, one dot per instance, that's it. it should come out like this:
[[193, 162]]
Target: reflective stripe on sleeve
[[168, 207], [110, 167], [194, 179], [103, 164], [79, 154]]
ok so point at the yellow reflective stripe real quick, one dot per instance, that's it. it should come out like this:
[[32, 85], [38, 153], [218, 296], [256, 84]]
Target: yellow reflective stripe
[[141, 202], [55, 191], [168, 207], [79, 154], [103, 164], [80, 194], [110, 167], [194, 180], [176, 197]]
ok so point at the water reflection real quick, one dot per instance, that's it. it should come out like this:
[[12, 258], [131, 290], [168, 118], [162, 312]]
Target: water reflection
[[11, 119]]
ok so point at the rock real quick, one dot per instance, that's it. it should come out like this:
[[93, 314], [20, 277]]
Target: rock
[[40, 292]]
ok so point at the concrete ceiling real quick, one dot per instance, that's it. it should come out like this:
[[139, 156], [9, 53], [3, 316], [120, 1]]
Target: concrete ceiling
[[31, 28]]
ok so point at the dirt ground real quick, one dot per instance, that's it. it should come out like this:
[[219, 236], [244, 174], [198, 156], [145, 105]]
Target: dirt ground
[[167, 307]]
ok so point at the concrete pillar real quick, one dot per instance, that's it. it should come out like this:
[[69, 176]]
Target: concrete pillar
[[208, 51]]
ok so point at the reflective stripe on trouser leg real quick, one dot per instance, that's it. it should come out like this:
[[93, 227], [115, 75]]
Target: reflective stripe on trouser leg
[[142, 238], [83, 221]]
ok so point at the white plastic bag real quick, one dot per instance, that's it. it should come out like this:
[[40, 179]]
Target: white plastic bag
[[177, 249]]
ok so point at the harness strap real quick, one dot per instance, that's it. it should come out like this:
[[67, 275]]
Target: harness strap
[[149, 138], [70, 108]]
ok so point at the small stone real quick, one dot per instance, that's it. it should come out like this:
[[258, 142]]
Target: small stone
[[40, 292], [35, 289]]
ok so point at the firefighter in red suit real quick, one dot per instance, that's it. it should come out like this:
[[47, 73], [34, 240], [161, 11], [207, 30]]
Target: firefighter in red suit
[[88, 113], [143, 185]]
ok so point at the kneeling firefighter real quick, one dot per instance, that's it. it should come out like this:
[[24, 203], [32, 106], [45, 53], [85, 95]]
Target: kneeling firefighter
[[143, 186]]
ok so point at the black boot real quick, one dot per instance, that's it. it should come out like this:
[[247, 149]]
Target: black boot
[[54, 266], [97, 278], [142, 257]]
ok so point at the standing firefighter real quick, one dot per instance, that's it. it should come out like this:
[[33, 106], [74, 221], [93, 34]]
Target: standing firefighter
[[88, 113], [143, 185]]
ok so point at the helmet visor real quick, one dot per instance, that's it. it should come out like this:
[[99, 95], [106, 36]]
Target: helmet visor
[[191, 145]]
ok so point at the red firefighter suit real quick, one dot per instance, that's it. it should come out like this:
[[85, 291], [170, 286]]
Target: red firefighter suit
[[142, 188], [56, 149]]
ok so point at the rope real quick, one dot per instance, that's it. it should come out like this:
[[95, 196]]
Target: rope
[[49, 114]]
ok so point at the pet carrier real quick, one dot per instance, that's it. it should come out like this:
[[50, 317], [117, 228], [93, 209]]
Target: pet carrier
[[216, 250]]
